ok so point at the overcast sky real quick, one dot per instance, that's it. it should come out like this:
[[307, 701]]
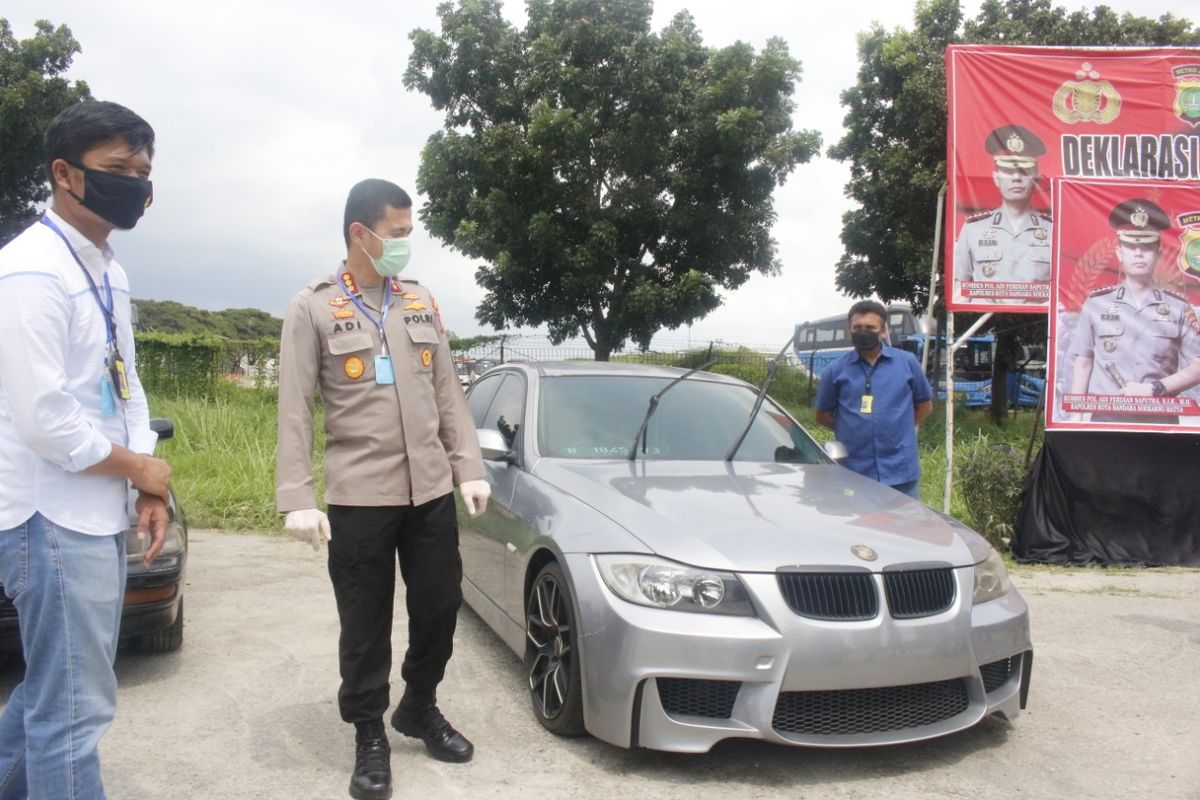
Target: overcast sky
[[267, 113]]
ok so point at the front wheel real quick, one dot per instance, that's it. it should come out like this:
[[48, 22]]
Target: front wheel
[[552, 654]]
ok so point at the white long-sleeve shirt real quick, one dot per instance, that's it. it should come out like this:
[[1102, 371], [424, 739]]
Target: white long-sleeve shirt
[[52, 350]]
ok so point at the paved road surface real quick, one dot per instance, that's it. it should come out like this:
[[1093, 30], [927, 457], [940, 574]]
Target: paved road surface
[[246, 709]]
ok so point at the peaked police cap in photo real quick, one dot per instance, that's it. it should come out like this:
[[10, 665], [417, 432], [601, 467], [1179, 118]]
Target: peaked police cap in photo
[[1014, 147], [1139, 221]]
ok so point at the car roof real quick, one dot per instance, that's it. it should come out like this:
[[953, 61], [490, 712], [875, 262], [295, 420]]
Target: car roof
[[558, 369]]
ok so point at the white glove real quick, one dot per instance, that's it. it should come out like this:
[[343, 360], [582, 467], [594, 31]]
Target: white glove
[[308, 525], [475, 495]]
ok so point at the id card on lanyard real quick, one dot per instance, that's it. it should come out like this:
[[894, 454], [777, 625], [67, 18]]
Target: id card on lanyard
[[868, 399], [385, 374], [114, 380]]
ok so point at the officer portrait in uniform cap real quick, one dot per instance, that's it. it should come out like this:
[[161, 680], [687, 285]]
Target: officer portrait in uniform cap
[[1135, 338], [1010, 243]]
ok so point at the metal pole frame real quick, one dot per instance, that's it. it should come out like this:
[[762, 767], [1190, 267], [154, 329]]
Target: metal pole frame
[[956, 343]]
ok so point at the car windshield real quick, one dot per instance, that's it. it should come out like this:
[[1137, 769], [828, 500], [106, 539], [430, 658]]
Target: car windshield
[[597, 416]]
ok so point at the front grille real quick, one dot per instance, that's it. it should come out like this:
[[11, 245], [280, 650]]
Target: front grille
[[697, 698], [915, 593], [859, 711], [847, 595], [996, 674]]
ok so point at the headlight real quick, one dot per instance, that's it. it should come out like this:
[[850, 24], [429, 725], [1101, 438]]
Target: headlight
[[658, 583], [991, 579], [172, 544]]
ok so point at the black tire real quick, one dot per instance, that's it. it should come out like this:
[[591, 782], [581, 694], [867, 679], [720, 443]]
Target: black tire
[[167, 640], [552, 654]]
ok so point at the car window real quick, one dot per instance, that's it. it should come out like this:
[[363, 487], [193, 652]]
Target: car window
[[598, 417], [507, 409], [480, 396]]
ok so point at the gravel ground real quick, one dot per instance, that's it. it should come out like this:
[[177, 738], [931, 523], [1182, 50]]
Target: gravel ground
[[246, 709]]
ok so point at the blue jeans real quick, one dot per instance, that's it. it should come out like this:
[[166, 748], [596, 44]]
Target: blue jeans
[[912, 489], [68, 588]]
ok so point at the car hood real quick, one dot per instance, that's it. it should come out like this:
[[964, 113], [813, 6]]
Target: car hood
[[759, 517]]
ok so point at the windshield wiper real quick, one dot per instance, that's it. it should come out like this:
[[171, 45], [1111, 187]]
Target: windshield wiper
[[641, 434], [772, 368]]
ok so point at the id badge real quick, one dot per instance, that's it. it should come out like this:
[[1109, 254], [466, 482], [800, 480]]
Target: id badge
[[120, 380], [108, 399], [867, 401], [383, 370]]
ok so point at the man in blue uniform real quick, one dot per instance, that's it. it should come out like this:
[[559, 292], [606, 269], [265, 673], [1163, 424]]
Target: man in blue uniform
[[873, 398]]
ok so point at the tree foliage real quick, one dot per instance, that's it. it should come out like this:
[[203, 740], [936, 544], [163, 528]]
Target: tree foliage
[[168, 316], [895, 139], [614, 180], [32, 92]]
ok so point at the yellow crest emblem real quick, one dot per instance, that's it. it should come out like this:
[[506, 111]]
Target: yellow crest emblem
[[1087, 99]]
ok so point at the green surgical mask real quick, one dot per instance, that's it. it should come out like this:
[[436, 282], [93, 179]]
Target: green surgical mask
[[394, 258]]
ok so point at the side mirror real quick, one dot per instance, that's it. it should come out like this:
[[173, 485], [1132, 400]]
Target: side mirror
[[493, 447], [163, 427], [836, 450]]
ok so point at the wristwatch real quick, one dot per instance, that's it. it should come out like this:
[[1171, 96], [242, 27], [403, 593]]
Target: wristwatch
[[1157, 389]]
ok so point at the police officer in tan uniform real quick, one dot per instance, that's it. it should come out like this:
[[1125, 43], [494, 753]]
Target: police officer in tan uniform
[[399, 437], [1136, 338], [1010, 243]]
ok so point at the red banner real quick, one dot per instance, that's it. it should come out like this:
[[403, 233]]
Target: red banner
[[1124, 336], [1021, 117]]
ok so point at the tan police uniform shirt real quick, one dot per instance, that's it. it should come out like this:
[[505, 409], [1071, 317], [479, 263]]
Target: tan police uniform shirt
[[385, 445], [988, 249], [1132, 343]]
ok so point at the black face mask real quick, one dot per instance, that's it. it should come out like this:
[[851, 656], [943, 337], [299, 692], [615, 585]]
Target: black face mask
[[865, 341], [115, 198]]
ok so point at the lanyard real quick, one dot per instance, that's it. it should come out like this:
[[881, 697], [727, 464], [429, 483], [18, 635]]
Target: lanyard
[[110, 325], [346, 281], [869, 373]]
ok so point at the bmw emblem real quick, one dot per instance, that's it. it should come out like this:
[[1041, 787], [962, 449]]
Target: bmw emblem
[[864, 552]]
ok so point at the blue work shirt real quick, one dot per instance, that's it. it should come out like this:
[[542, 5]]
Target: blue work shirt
[[883, 443]]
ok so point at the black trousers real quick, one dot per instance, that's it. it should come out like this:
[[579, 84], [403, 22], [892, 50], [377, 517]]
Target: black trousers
[[362, 565]]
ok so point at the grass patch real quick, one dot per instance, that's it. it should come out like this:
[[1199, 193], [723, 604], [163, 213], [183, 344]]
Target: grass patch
[[223, 457], [223, 454]]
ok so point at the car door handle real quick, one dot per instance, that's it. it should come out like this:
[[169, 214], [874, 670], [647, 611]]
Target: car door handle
[[510, 547]]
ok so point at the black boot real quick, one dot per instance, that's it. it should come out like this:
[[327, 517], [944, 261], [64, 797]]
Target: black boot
[[421, 719], [372, 778]]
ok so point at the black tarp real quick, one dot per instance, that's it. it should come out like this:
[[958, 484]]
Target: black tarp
[[1112, 498]]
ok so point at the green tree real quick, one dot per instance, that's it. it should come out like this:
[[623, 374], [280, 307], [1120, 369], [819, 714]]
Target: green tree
[[613, 179], [32, 92], [895, 139]]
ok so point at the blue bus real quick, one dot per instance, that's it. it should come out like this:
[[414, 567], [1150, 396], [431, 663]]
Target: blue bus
[[820, 342]]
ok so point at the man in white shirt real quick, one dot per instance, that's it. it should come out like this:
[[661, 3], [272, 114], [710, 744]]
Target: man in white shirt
[[74, 428]]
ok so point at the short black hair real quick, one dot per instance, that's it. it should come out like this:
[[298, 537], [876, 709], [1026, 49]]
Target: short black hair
[[81, 126], [368, 201], [867, 307]]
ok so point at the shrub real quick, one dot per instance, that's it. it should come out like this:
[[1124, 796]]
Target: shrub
[[990, 477]]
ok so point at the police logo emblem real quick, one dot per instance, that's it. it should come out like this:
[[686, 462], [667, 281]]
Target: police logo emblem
[[1187, 93], [353, 367], [426, 357], [1139, 218], [988, 270], [1189, 317], [1086, 99], [1110, 345]]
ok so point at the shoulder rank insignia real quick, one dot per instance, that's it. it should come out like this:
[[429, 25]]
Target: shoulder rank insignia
[[978, 216], [1176, 295], [1103, 290], [1189, 317]]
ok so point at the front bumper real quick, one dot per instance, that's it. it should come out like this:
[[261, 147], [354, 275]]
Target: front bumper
[[680, 681]]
